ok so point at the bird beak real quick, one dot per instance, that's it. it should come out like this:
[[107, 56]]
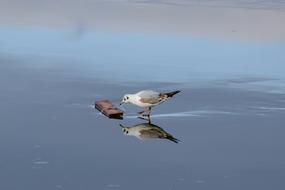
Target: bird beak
[[121, 103]]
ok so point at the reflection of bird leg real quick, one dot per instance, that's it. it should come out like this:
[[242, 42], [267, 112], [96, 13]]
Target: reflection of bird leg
[[147, 119], [145, 115], [142, 114]]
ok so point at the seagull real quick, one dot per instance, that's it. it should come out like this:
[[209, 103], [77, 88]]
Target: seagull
[[147, 99], [146, 131]]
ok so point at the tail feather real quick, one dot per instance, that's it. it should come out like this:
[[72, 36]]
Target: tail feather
[[171, 138], [171, 94]]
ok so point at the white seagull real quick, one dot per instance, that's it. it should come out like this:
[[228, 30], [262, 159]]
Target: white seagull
[[146, 131], [147, 99]]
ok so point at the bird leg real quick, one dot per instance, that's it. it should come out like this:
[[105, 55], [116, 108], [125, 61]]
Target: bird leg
[[143, 116], [142, 112], [145, 110], [147, 115]]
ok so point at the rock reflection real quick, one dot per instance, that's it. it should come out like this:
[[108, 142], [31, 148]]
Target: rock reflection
[[146, 131]]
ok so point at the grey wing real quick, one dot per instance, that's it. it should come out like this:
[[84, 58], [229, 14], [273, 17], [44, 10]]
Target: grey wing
[[151, 133], [157, 133], [150, 96]]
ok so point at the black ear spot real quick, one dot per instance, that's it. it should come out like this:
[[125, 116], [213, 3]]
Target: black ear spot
[[127, 132], [127, 97]]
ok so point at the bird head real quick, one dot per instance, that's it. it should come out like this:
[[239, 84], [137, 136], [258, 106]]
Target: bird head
[[126, 99], [125, 129]]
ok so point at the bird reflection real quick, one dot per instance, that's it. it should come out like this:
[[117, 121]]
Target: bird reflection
[[148, 130]]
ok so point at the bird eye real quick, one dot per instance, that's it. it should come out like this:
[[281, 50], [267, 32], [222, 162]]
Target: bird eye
[[124, 130]]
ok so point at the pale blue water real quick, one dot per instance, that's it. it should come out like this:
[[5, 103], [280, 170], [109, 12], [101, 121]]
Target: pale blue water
[[142, 57], [52, 138], [229, 115]]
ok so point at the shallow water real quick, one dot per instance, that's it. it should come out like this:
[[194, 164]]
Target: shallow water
[[229, 116], [53, 138]]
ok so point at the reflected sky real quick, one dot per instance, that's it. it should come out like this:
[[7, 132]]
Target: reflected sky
[[139, 57], [141, 41], [58, 57], [53, 138]]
